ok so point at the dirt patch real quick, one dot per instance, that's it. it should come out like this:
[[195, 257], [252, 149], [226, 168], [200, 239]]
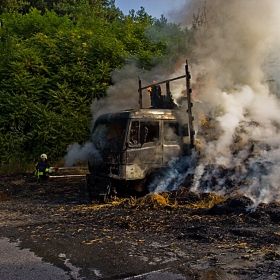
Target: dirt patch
[[199, 236]]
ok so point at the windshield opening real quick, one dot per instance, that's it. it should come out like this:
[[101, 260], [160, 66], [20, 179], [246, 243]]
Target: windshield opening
[[109, 133]]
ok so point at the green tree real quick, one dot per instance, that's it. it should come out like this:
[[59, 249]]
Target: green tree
[[54, 62]]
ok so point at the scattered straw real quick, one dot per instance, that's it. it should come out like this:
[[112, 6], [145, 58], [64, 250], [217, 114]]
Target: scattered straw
[[153, 200], [207, 202], [156, 201]]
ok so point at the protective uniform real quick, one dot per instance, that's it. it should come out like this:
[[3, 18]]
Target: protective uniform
[[42, 168]]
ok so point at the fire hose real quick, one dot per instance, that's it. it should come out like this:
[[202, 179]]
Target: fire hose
[[54, 169]]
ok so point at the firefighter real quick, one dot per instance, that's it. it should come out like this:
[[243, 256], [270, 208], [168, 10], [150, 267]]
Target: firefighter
[[42, 168]]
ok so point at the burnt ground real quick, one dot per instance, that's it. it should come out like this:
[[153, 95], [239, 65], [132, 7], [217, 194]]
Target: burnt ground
[[193, 236]]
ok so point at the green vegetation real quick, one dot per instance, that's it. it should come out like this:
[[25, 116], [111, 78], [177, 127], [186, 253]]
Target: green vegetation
[[56, 57]]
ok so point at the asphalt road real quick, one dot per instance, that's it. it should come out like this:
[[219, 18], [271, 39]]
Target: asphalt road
[[52, 231], [21, 264]]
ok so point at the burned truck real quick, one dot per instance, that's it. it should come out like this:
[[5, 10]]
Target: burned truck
[[134, 144]]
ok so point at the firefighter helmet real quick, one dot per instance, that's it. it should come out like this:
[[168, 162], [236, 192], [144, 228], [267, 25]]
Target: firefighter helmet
[[44, 156]]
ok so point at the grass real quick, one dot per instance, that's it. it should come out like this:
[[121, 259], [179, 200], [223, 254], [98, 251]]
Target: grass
[[17, 167], [21, 165]]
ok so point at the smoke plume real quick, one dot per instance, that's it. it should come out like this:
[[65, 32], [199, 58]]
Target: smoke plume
[[122, 95], [234, 65], [77, 152]]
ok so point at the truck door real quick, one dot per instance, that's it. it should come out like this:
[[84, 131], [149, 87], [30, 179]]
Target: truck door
[[171, 140], [144, 146]]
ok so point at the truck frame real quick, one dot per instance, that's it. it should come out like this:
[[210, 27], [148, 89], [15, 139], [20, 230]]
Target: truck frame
[[133, 144]]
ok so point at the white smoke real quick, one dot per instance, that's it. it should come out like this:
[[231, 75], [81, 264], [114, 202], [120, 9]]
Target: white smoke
[[172, 177], [77, 152], [235, 77], [235, 66], [122, 95], [236, 53]]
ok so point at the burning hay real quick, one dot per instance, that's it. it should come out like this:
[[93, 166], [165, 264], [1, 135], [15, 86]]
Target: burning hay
[[206, 201], [167, 200], [152, 200]]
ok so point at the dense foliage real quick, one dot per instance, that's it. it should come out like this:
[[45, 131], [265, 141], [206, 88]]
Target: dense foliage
[[56, 57]]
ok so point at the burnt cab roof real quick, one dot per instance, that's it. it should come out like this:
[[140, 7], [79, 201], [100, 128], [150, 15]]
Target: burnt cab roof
[[165, 114]]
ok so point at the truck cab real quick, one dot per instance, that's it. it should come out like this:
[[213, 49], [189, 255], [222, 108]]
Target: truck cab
[[132, 144]]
